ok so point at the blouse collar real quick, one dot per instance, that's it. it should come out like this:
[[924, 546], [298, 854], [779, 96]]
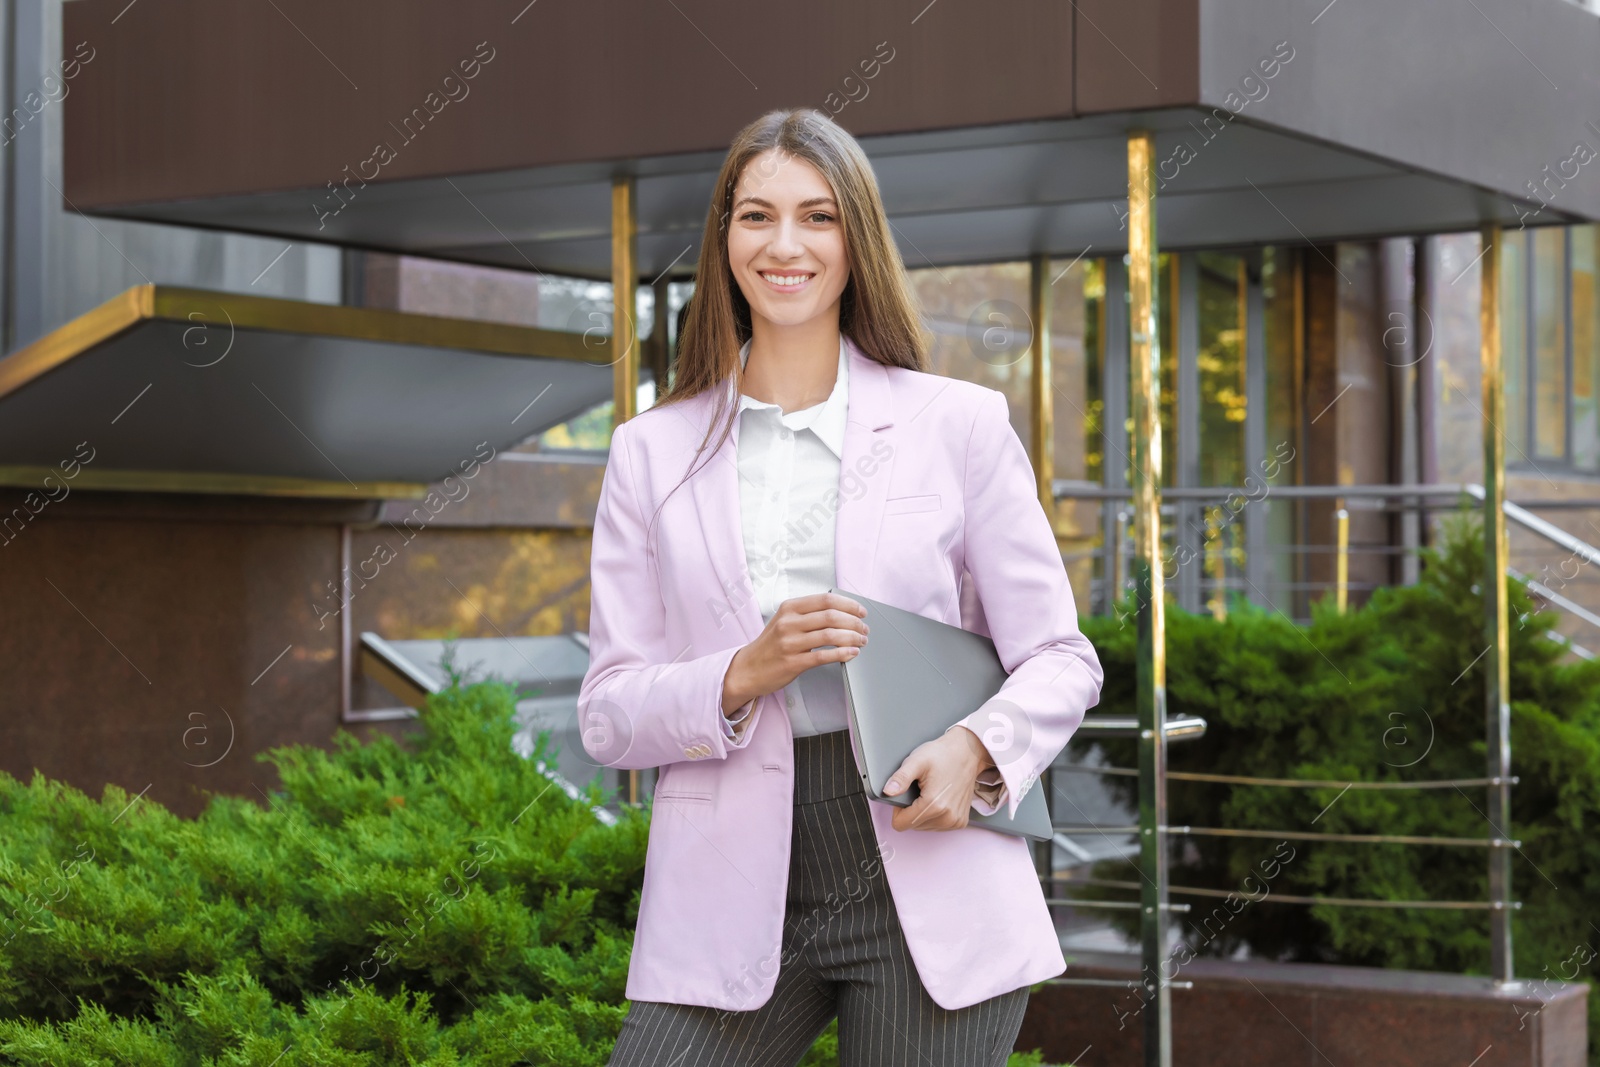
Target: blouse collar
[[827, 419]]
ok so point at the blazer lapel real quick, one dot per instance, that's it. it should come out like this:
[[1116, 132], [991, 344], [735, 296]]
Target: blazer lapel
[[716, 496], [863, 486], [863, 473]]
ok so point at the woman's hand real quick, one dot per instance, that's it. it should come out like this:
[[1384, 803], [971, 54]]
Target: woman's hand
[[946, 771], [791, 643]]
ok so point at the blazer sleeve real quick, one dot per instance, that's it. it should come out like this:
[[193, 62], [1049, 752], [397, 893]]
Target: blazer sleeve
[[1021, 583], [642, 703]]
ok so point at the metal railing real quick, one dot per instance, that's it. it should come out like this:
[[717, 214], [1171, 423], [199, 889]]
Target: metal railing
[[1215, 558], [1113, 574]]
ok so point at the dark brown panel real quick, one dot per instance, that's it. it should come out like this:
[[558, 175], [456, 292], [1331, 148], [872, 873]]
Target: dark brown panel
[[155, 648], [165, 652], [1261, 1014], [193, 98], [1134, 54]]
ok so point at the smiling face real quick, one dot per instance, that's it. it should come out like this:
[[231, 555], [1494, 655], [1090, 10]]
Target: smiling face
[[786, 243]]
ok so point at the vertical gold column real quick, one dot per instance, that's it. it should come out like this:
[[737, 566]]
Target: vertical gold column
[[1341, 579], [1497, 691], [1044, 447], [624, 298], [1144, 354], [1042, 404], [624, 336], [1042, 411]]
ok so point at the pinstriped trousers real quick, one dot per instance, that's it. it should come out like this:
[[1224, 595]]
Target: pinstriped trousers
[[843, 953]]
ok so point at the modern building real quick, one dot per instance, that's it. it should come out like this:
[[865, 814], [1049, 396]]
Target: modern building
[[282, 269]]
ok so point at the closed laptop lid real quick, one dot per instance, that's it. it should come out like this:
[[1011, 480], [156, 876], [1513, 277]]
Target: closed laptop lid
[[913, 680]]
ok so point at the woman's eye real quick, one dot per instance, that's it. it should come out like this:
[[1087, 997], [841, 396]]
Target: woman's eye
[[821, 217], [750, 216]]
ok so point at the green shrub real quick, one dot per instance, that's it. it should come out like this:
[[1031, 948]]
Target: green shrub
[[437, 903], [1392, 691]]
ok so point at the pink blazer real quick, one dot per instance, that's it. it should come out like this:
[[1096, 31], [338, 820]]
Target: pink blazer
[[936, 514]]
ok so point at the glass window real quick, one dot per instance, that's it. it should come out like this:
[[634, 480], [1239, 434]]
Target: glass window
[[1069, 366], [1076, 521], [1167, 338], [1514, 345], [1281, 309], [1221, 359], [1550, 342], [1585, 348], [978, 316], [1094, 330], [1280, 300], [579, 305]]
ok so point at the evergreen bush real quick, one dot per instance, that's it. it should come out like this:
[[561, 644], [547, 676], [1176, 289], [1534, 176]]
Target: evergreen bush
[[435, 903], [1390, 691]]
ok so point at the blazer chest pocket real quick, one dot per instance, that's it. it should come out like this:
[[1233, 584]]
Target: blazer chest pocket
[[679, 796], [902, 505]]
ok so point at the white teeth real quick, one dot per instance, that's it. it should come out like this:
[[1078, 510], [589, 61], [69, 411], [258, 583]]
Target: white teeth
[[786, 279]]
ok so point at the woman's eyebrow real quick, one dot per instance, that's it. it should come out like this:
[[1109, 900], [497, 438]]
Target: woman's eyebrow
[[815, 201]]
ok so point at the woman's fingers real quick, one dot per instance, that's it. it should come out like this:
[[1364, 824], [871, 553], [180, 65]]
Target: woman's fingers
[[822, 603], [943, 801], [841, 620], [934, 809], [808, 631]]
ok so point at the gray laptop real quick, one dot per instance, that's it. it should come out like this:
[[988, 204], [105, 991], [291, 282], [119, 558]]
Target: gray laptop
[[914, 678]]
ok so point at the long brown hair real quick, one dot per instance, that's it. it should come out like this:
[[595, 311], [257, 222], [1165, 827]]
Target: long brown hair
[[877, 310]]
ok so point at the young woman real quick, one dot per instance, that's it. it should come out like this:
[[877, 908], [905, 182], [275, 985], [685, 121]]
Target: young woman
[[776, 895]]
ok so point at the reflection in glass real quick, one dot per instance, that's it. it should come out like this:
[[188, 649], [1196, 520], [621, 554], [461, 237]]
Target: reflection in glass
[[1514, 343], [1094, 329], [1550, 342], [1585, 348], [1076, 522], [1222, 393], [1167, 338], [1280, 309], [978, 318]]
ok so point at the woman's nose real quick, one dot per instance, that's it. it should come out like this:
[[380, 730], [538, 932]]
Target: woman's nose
[[785, 242]]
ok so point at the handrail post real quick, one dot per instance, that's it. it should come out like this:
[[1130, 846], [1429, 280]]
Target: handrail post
[[1145, 355], [1497, 690], [1341, 581]]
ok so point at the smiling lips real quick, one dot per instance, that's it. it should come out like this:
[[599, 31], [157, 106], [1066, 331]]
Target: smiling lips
[[786, 281]]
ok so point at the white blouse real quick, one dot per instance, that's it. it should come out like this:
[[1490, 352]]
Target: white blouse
[[788, 463]]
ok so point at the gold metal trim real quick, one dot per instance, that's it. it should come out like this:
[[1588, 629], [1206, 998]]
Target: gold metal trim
[[82, 333], [208, 482], [1042, 403], [1144, 353], [624, 333], [1150, 664], [625, 298], [1341, 578], [178, 304], [205, 307], [1497, 688]]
